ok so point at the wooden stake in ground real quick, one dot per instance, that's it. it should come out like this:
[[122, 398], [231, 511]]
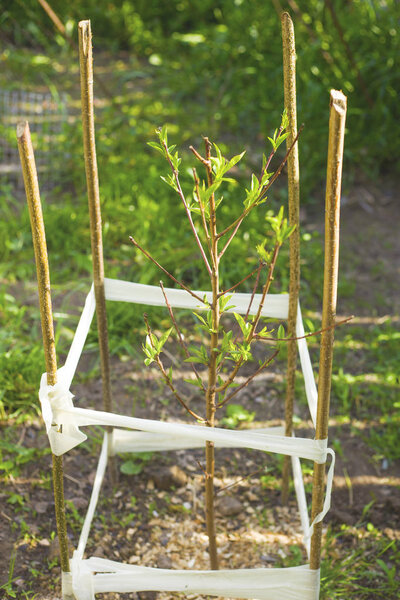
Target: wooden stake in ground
[[289, 79], [46, 315], [337, 119], [92, 181]]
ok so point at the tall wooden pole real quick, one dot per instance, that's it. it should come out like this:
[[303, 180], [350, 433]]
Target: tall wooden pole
[[289, 79], [46, 314], [92, 182], [337, 119]]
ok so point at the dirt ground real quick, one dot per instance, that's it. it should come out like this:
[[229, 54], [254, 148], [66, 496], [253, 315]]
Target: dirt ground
[[156, 518]]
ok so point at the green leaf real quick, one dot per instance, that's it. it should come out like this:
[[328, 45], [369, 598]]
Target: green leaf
[[245, 327], [280, 334], [130, 467], [164, 134], [263, 253], [170, 180], [234, 160], [194, 382], [236, 414], [164, 338], [157, 147], [285, 120], [223, 301]]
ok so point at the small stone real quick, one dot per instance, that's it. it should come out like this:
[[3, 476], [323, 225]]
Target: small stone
[[164, 539], [54, 550], [42, 507], [133, 559], [252, 497], [164, 562], [267, 558], [166, 478], [99, 552], [229, 506], [80, 502], [44, 542], [19, 582]]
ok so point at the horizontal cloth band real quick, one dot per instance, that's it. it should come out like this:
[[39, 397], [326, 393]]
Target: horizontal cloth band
[[275, 305], [141, 441], [303, 448], [293, 583]]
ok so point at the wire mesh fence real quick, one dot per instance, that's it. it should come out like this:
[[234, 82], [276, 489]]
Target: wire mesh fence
[[48, 117]]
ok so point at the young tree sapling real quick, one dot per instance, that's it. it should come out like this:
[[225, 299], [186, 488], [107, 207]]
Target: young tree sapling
[[218, 387]]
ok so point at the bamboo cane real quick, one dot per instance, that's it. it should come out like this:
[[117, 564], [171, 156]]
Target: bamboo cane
[[337, 119], [92, 181], [43, 277], [289, 79]]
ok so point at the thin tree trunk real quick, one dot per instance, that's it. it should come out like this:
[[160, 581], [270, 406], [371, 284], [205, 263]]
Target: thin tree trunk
[[337, 119], [46, 314], [212, 377], [289, 78]]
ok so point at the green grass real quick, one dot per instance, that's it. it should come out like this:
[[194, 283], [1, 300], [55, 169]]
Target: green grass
[[359, 562]]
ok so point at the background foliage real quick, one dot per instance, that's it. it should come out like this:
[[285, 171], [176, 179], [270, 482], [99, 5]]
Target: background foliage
[[227, 54]]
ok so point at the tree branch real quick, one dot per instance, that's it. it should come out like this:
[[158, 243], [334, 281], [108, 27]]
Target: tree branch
[[237, 222], [182, 285], [245, 383], [251, 334], [237, 284], [167, 378], [253, 293], [180, 337], [203, 216], [189, 216], [306, 335]]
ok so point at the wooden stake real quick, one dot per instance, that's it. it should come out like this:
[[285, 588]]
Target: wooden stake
[[92, 181], [289, 79], [337, 119], [43, 276]]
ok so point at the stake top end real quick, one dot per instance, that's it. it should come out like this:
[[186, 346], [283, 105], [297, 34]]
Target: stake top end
[[338, 101], [84, 24], [22, 127], [286, 16]]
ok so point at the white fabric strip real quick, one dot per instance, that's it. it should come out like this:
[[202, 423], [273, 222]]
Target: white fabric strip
[[275, 306], [328, 494], [306, 367], [293, 583], [79, 340], [66, 585], [139, 441], [301, 501], [304, 448], [62, 436], [101, 468]]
